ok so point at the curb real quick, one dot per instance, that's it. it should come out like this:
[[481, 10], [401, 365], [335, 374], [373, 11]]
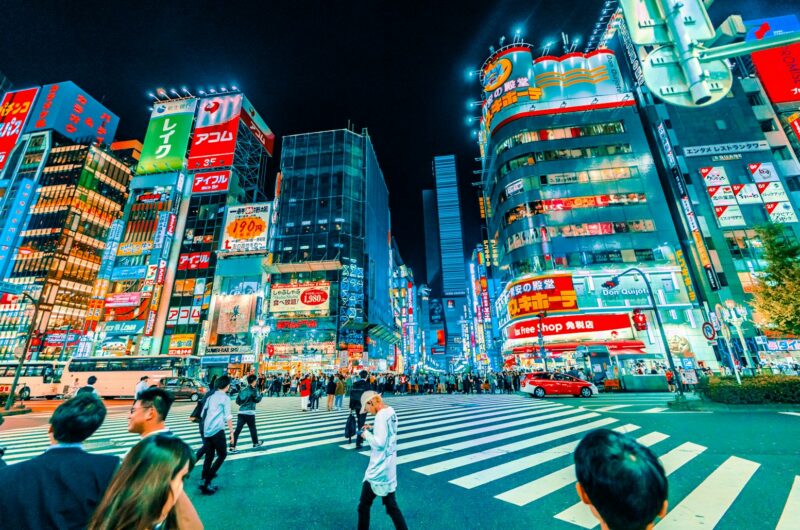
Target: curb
[[15, 411], [710, 406]]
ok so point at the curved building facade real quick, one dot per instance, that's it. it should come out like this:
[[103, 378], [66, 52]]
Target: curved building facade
[[573, 200]]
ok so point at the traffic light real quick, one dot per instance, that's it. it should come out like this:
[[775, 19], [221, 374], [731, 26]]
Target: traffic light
[[639, 320]]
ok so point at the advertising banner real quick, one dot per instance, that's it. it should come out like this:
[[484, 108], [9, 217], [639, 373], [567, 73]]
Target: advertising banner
[[794, 122], [246, 229], [721, 195], [129, 327], [532, 295], [182, 344], [728, 216], [211, 182], [781, 212], [214, 138], [136, 272], [234, 314], [124, 299], [167, 136], [260, 130], [134, 248], [290, 297], [777, 67], [67, 108], [746, 193], [763, 172], [772, 192], [591, 325], [715, 176], [194, 260], [14, 112]]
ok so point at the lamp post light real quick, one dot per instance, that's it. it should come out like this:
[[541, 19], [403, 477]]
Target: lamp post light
[[735, 315], [614, 282], [260, 331]]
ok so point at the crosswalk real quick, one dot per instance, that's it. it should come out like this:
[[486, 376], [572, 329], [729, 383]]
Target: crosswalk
[[508, 448]]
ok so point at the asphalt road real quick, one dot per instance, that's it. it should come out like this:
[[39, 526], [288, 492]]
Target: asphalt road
[[487, 461]]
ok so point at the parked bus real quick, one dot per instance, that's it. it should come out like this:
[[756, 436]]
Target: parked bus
[[38, 379], [117, 376]]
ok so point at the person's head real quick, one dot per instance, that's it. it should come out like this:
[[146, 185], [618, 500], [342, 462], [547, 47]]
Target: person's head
[[371, 402], [621, 480], [251, 380], [144, 378], [147, 485], [150, 411], [77, 419], [222, 383], [92, 380], [363, 374]]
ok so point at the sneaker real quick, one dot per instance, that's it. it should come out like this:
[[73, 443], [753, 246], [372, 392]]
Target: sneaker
[[208, 490], [233, 450], [258, 444]]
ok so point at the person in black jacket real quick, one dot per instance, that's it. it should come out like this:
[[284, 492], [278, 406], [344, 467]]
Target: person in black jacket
[[359, 387], [60, 488], [330, 391]]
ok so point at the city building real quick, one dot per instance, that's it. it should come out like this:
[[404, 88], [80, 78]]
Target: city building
[[727, 168], [183, 274], [330, 303], [406, 313], [433, 255], [484, 351], [573, 200], [63, 189]]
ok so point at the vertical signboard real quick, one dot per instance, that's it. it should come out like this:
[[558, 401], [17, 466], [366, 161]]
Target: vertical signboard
[[777, 67], [67, 108], [12, 226], [14, 111], [167, 135], [214, 138], [260, 130]]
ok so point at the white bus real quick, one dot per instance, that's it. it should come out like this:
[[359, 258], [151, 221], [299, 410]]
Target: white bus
[[117, 376], [38, 379]]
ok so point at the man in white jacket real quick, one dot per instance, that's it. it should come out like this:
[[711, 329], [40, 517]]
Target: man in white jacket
[[380, 479]]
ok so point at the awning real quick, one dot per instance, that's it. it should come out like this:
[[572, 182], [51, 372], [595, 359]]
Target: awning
[[303, 266]]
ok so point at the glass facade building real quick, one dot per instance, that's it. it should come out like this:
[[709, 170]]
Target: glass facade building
[[333, 229], [571, 192]]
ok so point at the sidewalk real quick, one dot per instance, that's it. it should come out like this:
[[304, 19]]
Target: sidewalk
[[695, 402]]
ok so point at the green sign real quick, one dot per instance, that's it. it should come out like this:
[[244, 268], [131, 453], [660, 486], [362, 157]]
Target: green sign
[[167, 136]]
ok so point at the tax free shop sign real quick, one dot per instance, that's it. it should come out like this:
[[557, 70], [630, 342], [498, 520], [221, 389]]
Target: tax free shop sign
[[601, 326]]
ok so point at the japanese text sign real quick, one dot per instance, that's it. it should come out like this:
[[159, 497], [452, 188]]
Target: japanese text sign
[[167, 135]]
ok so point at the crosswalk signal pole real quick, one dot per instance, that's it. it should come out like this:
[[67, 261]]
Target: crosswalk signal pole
[[25, 350]]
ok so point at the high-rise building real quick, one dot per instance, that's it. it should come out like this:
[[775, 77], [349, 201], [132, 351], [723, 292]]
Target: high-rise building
[[330, 298], [451, 237], [64, 191], [574, 200], [433, 255], [184, 272], [727, 168]]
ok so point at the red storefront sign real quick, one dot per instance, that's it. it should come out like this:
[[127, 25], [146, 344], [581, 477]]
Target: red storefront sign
[[541, 293], [194, 260], [295, 324], [14, 111], [568, 325], [211, 182]]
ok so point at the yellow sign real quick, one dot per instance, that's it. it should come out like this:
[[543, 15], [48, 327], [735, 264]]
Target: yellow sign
[[687, 280]]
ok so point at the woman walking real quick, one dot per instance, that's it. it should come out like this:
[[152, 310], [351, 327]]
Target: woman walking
[[339, 392], [330, 391]]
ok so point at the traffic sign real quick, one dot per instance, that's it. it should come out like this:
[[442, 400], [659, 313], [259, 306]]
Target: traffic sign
[[708, 331], [11, 288], [647, 20]]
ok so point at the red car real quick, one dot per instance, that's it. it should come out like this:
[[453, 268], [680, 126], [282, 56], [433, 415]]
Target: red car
[[541, 384]]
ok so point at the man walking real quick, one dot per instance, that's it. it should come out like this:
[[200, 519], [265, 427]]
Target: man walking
[[380, 479], [359, 387], [247, 400], [216, 414], [60, 488], [141, 386]]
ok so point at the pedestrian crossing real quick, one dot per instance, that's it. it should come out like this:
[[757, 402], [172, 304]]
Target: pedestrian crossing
[[504, 448]]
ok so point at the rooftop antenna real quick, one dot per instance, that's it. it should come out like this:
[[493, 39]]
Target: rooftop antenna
[[565, 42]]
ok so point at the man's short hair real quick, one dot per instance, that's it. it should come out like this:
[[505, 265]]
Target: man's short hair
[[622, 478], [92, 380], [363, 374], [144, 377], [78, 418], [159, 399], [222, 382], [251, 378]]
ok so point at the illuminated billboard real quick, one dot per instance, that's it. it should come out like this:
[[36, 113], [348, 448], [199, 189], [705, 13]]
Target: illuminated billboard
[[292, 297], [214, 138], [517, 85], [778, 68], [536, 294], [260, 130], [246, 229], [211, 182], [68, 109], [14, 111], [167, 135]]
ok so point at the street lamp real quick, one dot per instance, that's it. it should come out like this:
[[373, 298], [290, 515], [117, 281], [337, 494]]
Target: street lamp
[[542, 351], [260, 331], [10, 399], [613, 282]]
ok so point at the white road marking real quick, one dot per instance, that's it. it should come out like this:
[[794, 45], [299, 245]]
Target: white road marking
[[790, 518]]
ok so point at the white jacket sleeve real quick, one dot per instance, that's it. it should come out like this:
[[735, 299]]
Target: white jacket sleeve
[[379, 436]]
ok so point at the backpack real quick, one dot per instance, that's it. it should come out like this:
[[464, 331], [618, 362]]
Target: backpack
[[85, 390], [351, 427]]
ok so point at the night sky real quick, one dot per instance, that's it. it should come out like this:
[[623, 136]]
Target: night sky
[[397, 68]]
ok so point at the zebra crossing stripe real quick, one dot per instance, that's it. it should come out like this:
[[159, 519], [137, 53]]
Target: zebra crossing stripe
[[655, 409], [503, 450], [705, 506], [541, 487], [468, 444], [791, 512], [485, 476], [611, 407], [581, 515]]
